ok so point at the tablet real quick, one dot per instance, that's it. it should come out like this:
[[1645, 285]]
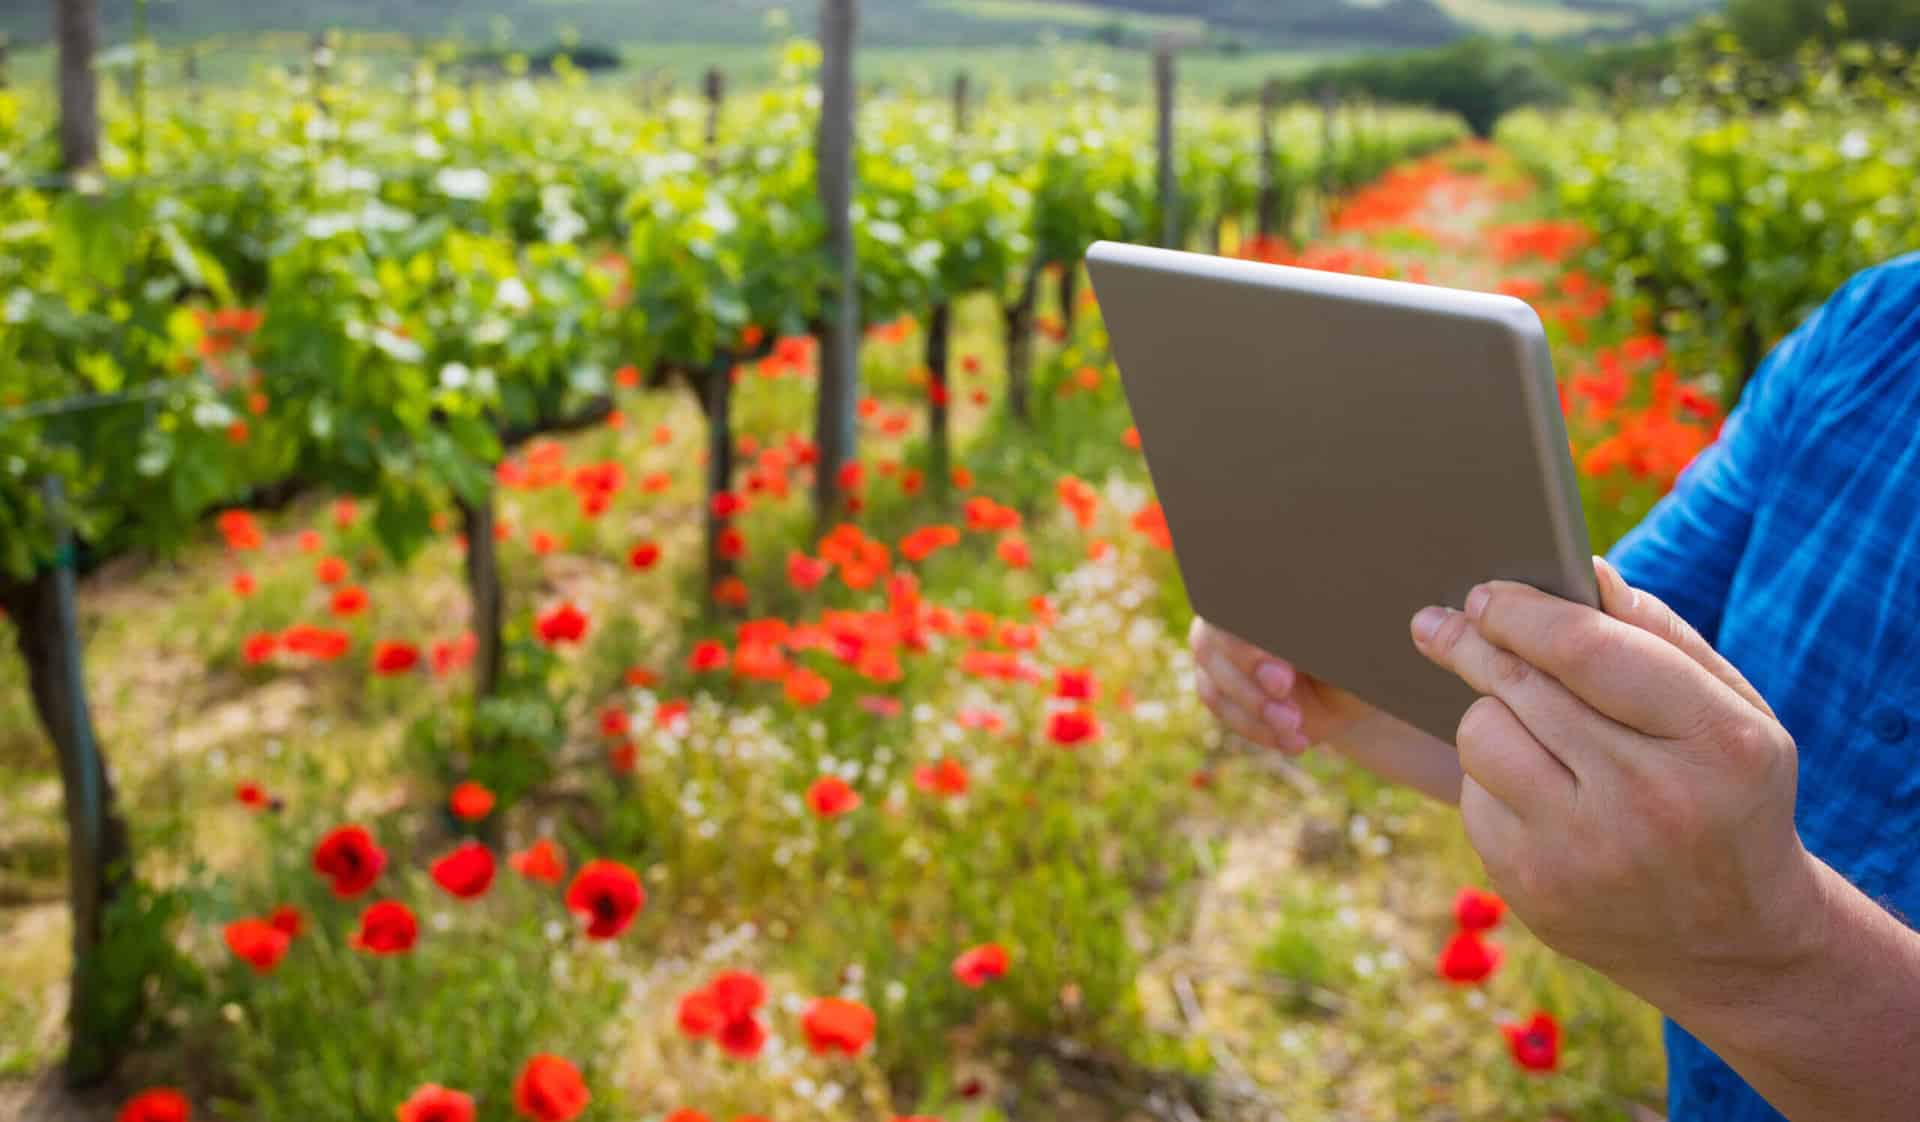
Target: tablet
[[1334, 453]]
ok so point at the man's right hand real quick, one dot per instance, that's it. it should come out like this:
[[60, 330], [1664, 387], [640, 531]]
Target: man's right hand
[[1264, 697]]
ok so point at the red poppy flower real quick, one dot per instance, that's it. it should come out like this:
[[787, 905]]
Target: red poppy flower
[[242, 584], [394, 656], [639, 677], [387, 927], [759, 659], [656, 482], [614, 721], [644, 555], [542, 543], [1131, 438], [742, 1037], [834, 1024], [544, 860], [550, 1090], [241, 532], [686, 1114], [607, 895], [1075, 685], [730, 592], [699, 1013], [947, 777], [562, 624], [1477, 910], [804, 572], [323, 644], [671, 713], [806, 688], [1071, 728], [287, 920], [349, 601], [1151, 521], [923, 542], [975, 966], [257, 943], [730, 544], [1014, 553], [449, 655], [1468, 959], [986, 516], [467, 872], [156, 1104], [708, 655], [470, 801], [349, 858], [252, 796], [830, 797], [330, 570], [434, 1103], [1534, 1043], [726, 504]]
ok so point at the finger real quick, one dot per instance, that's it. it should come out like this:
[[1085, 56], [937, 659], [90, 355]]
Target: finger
[[1496, 833], [1273, 675], [1549, 712], [1233, 683], [1649, 613], [1267, 733], [1498, 752], [1638, 679]]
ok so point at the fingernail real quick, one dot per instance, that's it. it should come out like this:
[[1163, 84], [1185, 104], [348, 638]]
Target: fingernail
[[1427, 622], [1275, 677], [1477, 602], [1281, 718]]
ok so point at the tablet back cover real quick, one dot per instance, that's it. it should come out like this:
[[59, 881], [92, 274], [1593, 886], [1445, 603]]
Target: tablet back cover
[[1333, 453]]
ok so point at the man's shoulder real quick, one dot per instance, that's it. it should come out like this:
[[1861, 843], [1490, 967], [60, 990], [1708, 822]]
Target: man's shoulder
[[1891, 288]]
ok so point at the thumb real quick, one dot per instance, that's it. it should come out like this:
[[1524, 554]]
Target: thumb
[[1649, 613]]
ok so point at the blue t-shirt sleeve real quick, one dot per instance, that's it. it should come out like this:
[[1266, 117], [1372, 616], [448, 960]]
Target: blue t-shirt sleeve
[[1686, 549]]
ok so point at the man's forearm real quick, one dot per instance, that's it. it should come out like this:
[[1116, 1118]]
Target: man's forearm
[[1399, 753], [1835, 1035]]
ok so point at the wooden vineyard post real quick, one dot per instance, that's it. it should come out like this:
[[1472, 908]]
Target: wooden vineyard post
[[716, 90], [1169, 185], [939, 343], [484, 591], [6, 42], [102, 1005], [840, 341], [939, 336], [1017, 325], [717, 399], [1264, 199], [77, 28], [190, 76], [1329, 103]]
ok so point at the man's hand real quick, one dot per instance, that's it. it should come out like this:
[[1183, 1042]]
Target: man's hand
[[1629, 792], [1264, 697]]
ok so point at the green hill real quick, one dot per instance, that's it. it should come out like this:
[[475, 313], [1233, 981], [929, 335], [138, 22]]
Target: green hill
[[1264, 25]]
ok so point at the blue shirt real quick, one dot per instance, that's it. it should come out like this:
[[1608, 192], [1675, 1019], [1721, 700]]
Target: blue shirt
[[1793, 545]]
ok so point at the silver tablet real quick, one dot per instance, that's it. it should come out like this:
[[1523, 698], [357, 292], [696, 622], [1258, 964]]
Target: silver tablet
[[1333, 453]]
